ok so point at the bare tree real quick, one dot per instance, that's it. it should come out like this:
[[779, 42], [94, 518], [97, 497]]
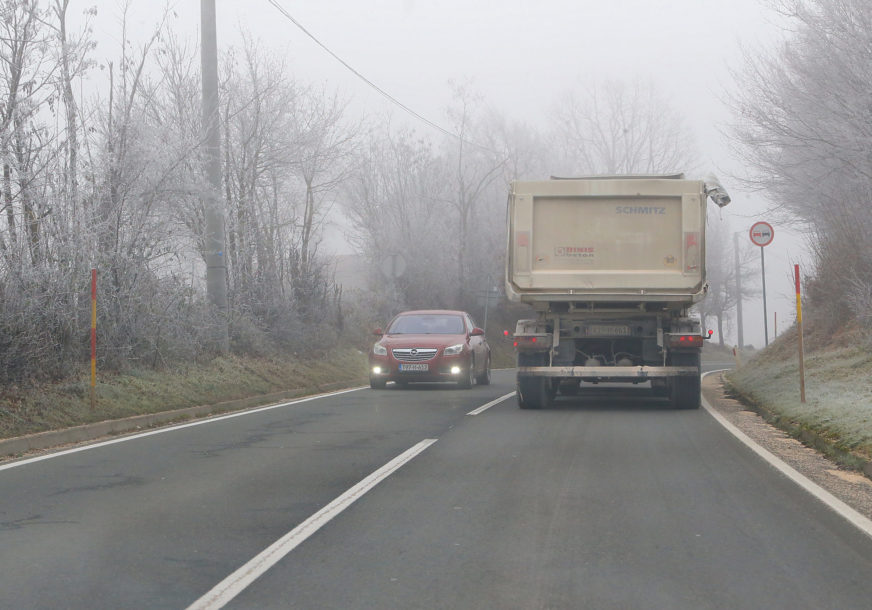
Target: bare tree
[[324, 141], [325, 144], [26, 69], [804, 123], [397, 203], [73, 63], [620, 129], [475, 168], [720, 265]]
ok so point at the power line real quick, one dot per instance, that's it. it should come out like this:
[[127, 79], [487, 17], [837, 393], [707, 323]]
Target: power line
[[381, 91]]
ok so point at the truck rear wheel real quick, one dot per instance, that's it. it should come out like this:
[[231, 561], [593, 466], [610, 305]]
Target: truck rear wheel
[[685, 391], [570, 387], [533, 392]]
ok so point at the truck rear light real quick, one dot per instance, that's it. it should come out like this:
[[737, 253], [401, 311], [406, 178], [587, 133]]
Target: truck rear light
[[685, 341], [539, 342]]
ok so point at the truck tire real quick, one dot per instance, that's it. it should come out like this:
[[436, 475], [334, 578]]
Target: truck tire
[[685, 391], [570, 388], [377, 384], [534, 392]]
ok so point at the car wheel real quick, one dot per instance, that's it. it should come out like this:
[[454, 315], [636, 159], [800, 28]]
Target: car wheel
[[468, 377], [485, 377], [377, 384]]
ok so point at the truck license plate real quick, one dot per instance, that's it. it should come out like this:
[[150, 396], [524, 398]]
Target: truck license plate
[[414, 368], [608, 331]]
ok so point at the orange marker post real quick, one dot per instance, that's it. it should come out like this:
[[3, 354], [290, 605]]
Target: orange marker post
[[799, 333], [93, 338]]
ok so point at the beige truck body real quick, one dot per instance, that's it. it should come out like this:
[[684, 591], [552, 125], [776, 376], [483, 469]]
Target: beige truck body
[[611, 266], [638, 239]]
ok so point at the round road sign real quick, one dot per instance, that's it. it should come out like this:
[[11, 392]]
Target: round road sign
[[393, 265], [762, 233]]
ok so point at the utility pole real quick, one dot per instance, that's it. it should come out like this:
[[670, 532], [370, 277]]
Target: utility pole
[[738, 291], [216, 270]]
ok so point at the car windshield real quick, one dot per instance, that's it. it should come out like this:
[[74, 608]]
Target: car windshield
[[427, 324]]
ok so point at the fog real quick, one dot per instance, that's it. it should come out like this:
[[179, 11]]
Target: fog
[[519, 56]]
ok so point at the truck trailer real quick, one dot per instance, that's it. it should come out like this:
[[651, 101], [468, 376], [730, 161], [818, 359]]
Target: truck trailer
[[611, 266]]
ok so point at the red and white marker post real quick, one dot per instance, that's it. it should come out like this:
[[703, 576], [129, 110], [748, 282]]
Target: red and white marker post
[[93, 338], [799, 332]]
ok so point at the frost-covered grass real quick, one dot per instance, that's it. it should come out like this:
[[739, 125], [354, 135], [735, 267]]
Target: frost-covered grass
[[838, 388], [31, 409], [56, 406]]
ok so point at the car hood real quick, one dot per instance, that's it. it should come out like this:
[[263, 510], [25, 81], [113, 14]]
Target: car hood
[[394, 341]]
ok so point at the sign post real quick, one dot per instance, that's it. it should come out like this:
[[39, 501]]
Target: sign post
[[761, 235], [393, 266], [486, 296]]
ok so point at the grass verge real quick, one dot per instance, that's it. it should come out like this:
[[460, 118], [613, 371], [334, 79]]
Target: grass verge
[[64, 405], [836, 418]]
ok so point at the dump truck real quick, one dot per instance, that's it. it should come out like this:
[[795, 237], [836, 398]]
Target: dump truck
[[611, 266]]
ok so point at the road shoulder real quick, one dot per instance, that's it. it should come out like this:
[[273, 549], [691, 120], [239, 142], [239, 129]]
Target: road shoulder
[[849, 486]]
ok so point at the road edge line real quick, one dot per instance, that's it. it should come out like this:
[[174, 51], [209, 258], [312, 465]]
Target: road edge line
[[861, 522]]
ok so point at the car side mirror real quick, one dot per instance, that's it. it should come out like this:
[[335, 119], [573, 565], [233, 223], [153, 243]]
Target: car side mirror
[[378, 332], [476, 332]]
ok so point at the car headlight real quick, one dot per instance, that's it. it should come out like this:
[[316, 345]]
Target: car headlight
[[379, 350], [454, 349]]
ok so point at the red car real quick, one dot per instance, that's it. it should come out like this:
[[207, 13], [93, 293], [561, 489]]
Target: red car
[[430, 345]]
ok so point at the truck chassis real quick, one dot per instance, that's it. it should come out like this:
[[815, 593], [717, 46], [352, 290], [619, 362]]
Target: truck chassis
[[558, 350]]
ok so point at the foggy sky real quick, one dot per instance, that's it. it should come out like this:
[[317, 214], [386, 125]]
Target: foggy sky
[[519, 55]]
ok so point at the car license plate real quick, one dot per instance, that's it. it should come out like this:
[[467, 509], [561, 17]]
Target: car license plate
[[608, 331], [414, 368]]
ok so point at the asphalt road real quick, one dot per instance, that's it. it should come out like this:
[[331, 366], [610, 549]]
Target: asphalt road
[[612, 500]]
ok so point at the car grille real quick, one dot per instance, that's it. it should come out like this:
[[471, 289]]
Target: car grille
[[414, 354]]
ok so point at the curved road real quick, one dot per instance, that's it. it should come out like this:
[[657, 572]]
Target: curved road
[[611, 500]]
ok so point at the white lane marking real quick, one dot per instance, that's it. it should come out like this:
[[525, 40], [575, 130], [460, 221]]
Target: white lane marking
[[206, 420], [234, 584], [859, 521], [484, 408]]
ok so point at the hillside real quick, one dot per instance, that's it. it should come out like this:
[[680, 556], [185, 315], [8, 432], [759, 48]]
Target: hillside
[[837, 415]]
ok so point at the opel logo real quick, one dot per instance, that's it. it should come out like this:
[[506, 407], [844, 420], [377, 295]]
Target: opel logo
[[414, 351]]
